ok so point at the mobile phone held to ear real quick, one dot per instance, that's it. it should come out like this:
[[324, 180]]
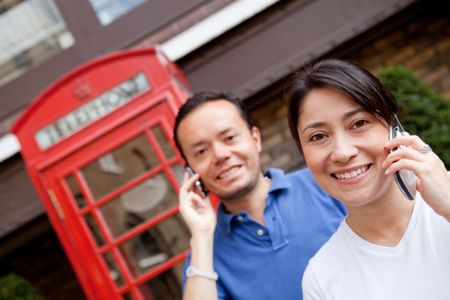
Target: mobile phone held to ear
[[405, 179], [198, 183]]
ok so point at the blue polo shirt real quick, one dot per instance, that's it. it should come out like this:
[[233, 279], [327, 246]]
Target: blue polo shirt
[[267, 262]]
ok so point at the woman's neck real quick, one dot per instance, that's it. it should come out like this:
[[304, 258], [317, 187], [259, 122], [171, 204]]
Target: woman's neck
[[383, 222]]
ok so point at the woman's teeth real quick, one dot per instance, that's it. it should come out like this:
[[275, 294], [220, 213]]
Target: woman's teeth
[[351, 174]]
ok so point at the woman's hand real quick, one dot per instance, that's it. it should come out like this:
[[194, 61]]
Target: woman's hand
[[196, 211], [433, 180]]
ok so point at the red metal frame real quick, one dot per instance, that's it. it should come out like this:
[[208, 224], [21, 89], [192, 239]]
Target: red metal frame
[[48, 168]]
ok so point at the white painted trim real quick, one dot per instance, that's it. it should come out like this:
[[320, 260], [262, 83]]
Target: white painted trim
[[182, 44], [213, 26], [9, 145]]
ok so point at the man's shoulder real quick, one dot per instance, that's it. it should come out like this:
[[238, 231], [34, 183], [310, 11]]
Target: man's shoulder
[[300, 184], [300, 175], [302, 179], [299, 181]]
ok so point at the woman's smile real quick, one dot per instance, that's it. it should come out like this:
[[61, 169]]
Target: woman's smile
[[351, 173]]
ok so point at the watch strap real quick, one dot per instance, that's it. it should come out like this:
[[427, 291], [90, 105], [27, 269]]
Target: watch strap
[[191, 272]]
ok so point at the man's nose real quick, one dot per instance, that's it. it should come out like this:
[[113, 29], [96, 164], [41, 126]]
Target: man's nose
[[344, 149], [220, 152]]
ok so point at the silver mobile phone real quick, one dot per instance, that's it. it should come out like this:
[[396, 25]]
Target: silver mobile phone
[[405, 179], [198, 183]]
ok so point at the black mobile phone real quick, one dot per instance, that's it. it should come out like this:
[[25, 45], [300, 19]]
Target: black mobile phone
[[405, 179], [198, 183]]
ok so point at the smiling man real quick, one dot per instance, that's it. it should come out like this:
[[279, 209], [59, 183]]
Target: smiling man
[[267, 226]]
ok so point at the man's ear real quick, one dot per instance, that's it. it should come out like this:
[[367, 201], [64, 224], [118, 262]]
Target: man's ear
[[256, 135]]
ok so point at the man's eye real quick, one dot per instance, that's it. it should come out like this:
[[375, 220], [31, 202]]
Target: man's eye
[[200, 152], [230, 137]]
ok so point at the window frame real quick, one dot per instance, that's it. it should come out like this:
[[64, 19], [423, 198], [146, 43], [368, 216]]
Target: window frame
[[91, 40]]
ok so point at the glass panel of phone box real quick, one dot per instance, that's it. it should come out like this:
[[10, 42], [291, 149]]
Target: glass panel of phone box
[[133, 207]]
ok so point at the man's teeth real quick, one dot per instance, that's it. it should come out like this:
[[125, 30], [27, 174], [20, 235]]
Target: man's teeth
[[229, 172], [351, 174]]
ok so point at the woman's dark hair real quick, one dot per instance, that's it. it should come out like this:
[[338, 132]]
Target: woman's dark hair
[[201, 98], [349, 79]]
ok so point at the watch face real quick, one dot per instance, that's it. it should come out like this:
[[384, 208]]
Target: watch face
[[189, 271]]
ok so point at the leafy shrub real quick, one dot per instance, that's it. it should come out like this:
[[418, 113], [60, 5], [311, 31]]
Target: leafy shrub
[[421, 111], [13, 287]]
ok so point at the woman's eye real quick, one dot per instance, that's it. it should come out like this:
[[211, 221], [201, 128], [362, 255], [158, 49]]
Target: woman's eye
[[360, 123], [317, 137]]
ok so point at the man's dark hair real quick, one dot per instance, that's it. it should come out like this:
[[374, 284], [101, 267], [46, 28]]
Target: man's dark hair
[[201, 98], [349, 79]]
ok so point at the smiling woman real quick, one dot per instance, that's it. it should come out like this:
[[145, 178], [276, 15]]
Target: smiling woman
[[342, 159], [347, 148]]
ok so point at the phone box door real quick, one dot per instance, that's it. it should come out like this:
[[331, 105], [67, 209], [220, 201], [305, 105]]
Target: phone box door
[[98, 148]]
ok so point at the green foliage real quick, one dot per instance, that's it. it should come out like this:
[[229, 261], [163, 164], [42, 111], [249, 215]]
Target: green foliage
[[13, 287], [421, 111]]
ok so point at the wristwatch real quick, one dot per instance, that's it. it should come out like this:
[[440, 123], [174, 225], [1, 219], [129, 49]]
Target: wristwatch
[[191, 272]]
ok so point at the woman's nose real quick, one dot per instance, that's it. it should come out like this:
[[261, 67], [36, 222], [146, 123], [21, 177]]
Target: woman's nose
[[343, 149]]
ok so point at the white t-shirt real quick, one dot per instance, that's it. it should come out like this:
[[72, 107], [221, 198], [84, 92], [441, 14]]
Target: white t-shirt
[[348, 267]]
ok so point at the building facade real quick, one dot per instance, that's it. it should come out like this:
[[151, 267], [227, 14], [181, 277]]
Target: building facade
[[252, 54]]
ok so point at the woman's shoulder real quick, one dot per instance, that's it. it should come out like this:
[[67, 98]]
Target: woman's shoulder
[[325, 266], [330, 254]]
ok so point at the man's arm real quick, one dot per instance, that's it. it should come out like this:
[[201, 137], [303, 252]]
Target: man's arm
[[198, 287], [200, 217]]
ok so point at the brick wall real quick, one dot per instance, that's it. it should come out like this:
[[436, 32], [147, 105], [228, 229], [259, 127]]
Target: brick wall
[[421, 43], [422, 46], [279, 149]]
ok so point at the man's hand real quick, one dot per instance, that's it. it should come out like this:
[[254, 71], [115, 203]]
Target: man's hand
[[196, 211], [200, 217]]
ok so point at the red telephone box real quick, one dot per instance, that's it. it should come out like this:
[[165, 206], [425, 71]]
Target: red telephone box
[[97, 145]]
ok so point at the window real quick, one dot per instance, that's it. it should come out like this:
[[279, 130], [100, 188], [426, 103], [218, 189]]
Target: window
[[110, 10], [31, 31]]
